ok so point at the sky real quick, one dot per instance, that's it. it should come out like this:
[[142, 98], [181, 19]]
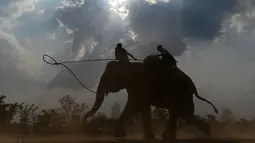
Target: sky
[[217, 53]]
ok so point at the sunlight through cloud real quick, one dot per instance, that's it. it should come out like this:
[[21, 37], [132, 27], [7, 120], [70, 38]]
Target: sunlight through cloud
[[68, 3], [156, 1], [119, 7]]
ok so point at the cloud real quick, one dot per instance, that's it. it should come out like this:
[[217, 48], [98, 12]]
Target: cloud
[[203, 18], [24, 38], [161, 22], [97, 33], [14, 83]]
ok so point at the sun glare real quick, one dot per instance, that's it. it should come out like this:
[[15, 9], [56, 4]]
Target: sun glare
[[119, 7]]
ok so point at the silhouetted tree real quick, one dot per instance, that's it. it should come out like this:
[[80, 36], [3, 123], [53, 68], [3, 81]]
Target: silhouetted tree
[[78, 111], [211, 117], [67, 103], [71, 109], [7, 110], [27, 113], [68, 117], [13, 110], [227, 114], [243, 121], [50, 121]]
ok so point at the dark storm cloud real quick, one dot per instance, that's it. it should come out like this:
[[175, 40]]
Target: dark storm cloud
[[194, 19], [203, 18], [156, 23]]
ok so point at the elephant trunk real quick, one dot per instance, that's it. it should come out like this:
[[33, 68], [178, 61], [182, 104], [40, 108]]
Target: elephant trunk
[[99, 100]]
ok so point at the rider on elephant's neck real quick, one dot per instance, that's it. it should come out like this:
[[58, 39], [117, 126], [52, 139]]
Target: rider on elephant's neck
[[121, 54]]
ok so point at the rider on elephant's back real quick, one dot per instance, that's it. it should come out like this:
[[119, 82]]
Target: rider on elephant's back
[[121, 54], [166, 57]]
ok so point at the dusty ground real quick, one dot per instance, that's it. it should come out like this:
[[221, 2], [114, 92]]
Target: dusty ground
[[107, 139]]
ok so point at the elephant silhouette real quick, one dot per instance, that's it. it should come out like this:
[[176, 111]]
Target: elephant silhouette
[[150, 83]]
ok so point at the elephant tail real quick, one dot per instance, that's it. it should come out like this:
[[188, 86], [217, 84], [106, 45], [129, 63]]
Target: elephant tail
[[201, 98]]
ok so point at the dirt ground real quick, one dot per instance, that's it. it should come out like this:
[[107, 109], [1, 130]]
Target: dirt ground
[[108, 139]]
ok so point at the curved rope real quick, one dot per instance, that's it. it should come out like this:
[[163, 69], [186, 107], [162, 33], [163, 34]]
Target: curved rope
[[82, 61], [63, 64]]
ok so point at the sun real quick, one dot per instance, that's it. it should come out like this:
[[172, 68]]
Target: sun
[[119, 7], [115, 3]]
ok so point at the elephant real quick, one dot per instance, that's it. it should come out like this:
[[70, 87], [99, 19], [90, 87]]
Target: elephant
[[150, 83]]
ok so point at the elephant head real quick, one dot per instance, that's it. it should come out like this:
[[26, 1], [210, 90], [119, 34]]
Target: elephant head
[[114, 79], [152, 62]]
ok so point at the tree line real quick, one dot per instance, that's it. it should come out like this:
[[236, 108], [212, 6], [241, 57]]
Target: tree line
[[67, 119]]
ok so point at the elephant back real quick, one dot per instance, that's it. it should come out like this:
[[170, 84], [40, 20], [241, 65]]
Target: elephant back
[[152, 62], [123, 72]]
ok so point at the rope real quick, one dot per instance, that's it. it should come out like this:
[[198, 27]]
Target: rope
[[63, 64]]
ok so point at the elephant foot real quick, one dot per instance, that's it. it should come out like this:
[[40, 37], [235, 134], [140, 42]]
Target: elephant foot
[[84, 121], [150, 138], [205, 128], [85, 125], [168, 137], [120, 133]]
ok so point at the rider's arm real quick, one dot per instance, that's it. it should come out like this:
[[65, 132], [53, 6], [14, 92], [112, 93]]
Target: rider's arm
[[131, 56], [159, 55]]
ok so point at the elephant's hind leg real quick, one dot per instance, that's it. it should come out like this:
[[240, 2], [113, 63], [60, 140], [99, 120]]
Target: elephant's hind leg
[[200, 124]]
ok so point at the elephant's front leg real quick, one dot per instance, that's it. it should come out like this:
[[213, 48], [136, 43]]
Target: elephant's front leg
[[129, 111], [147, 125], [170, 133]]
